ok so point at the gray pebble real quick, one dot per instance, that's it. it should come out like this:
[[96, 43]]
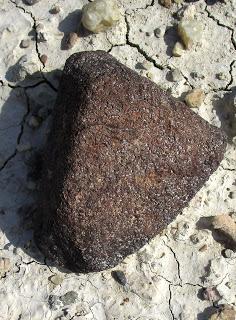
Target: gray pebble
[[25, 43], [69, 297], [31, 2], [176, 75], [55, 10], [119, 277]]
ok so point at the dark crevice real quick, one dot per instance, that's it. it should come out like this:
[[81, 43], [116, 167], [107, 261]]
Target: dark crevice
[[170, 297], [26, 87], [231, 76], [49, 83], [20, 133], [141, 51], [177, 261], [222, 25]]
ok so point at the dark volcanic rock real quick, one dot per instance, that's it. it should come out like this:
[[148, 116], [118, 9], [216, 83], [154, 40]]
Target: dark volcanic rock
[[123, 159]]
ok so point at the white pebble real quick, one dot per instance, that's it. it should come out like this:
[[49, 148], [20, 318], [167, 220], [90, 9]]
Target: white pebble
[[100, 15]]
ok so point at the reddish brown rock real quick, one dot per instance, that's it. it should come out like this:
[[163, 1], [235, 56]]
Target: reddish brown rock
[[123, 159]]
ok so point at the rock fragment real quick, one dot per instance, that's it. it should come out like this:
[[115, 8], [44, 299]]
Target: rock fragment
[[211, 294], [25, 43], [190, 32], [176, 75], [56, 279], [55, 9], [166, 3], [44, 59], [225, 225], [178, 49], [225, 312], [5, 265], [31, 2], [195, 98], [122, 160], [71, 40], [100, 15], [119, 277]]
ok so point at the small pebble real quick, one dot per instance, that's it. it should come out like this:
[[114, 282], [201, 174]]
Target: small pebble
[[31, 2], [195, 98], [71, 40], [166, 3], [55, 10], [33, 122], [225, 225], [22, 147], [119, 277], [157, 32], [56, 279], [196, 75], [227, 253], [100, 15], [25, 43], [5, 265], [176, 75], [203, 248], [43, 58], [194, 238], [224, 312], [211, 294], [178, 49], [190, 32], [69, 298], [221, 76]]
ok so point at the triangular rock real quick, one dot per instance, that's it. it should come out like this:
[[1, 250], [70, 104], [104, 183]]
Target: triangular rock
[[123, 159]]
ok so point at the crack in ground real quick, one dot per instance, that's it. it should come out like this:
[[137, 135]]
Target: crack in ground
[[151, 4], [36, 41], [20, 133], [221, 25], [177, 261], [231, 75], [34, 28], [141, 51], [170, 297]]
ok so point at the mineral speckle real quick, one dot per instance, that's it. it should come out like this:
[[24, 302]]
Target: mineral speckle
[[132, 159]]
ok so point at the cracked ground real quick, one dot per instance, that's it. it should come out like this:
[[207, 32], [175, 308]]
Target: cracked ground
[[165, 279]]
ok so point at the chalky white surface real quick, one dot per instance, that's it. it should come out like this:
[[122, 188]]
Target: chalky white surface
[[165, 277]]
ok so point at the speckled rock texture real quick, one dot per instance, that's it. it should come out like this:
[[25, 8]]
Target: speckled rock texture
[[123, 160]]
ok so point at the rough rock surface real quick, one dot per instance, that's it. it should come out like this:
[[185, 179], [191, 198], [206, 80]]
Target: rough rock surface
[[123, 160], [159, 285]]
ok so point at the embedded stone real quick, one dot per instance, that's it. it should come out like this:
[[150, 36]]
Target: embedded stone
[[123, 159], [100, 15], [190, 32]]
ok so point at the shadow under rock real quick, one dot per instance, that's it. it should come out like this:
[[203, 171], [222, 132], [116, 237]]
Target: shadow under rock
[[72, 23], [18, 205], [171, 37], [226, 111], [207, 313], [206, 223]]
